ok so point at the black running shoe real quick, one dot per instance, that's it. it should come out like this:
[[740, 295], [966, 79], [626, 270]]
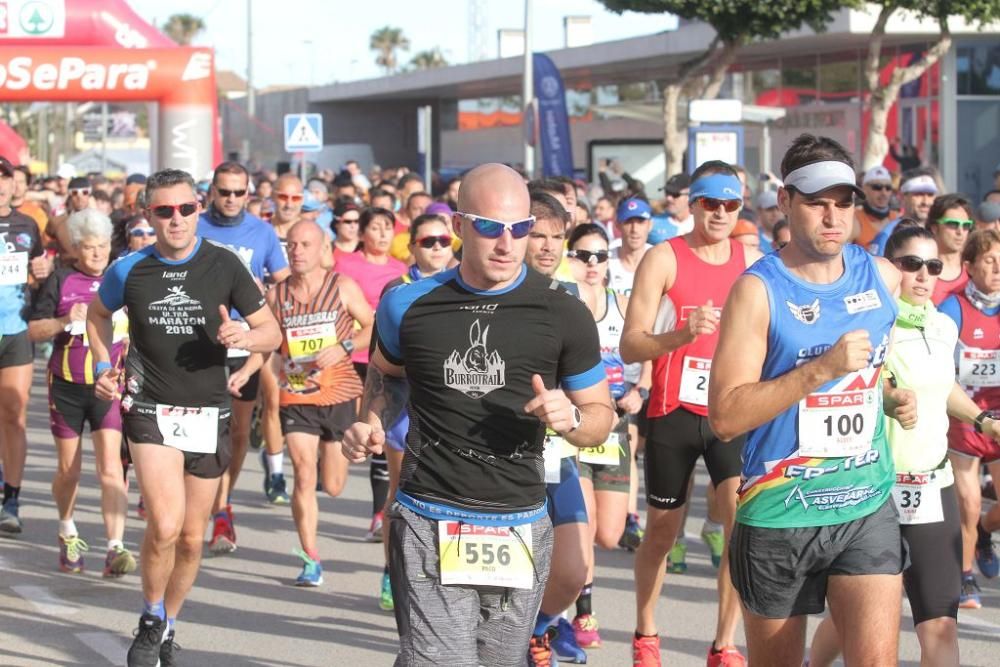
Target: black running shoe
[[146, 647], [168, 651]]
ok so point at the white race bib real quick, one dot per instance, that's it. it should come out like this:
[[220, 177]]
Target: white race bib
[[485, 555], [918, 498], [305, 342], [840, 421], [193, 430], [608, 454], [694, 380], [14, 268], [979, 368]]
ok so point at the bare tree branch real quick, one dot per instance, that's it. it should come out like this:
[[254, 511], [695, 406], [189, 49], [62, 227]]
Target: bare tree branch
[[875, 46], [911, 72]]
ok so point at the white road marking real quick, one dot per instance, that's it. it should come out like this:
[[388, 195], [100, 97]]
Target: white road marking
[[112, 647], [45, 601]]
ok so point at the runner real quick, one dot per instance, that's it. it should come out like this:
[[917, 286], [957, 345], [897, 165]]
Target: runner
[[226, 221], [566, 507], [677, 204], [988, 215], [472, 473], [22, 255], [875, 212], [918, 189], [634, 222], [345, 223], [431, 251], [975, 312], [813, 521], [178, 294], [768, 216], [605, 473], [950, 220], [60, 311], [372, 267], [922, 359], [673, 319], [316, 309]]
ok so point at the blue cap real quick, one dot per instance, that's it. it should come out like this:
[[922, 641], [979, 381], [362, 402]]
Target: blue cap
[[633, 208], [310, 203]]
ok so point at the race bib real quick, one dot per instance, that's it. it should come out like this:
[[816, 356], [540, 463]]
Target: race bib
[[918, 498], [305, 342], [694, 380], [14, 268], [608, 454], [979, 368], [194, 430], [840, 421], [485, 555]]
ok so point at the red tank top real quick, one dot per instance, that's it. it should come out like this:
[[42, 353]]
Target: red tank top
[[945, 288], [680, 378], [979, 355]]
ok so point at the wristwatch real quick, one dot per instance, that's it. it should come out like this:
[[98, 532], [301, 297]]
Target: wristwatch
[[980, 418], [577, 419], [348, 346], [643, 393]]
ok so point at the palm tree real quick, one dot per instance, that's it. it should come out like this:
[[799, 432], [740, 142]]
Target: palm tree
[[429, 59], [183, 28], [386, 41]]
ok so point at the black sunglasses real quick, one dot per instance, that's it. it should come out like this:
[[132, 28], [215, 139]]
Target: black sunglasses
[[234, 193], [588, 256], [166, 211], [429, 242], [912, 264], [877, 187]]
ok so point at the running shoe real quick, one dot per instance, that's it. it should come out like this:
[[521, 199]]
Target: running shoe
[[374, 533], [167, 650], [141, 508], [715, 540], [118, 562], [727, 656], [223, 533], [677, 558], [71, 553], [564, 644], [632, 535], [969, 599], [540, 650], [646, 651], [10, 522], [585, 628], [385, 601], [312, 571], [986, 555], [145, 648], [277, 493]]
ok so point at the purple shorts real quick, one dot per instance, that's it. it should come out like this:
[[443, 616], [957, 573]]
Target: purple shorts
[[71, 405]]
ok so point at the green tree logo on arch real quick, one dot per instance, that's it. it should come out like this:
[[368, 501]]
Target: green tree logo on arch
[[36, 18]]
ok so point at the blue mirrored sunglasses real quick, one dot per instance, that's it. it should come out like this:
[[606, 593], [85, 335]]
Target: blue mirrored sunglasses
[[493, 229]]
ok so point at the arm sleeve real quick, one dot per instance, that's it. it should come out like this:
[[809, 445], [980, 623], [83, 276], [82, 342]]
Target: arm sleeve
[[112, 290], [47, 300], [580, 358], [244, 294]]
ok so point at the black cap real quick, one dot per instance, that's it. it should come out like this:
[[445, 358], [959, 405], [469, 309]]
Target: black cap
[[676, 183], [78, 183], [136, 179], [6, 168]]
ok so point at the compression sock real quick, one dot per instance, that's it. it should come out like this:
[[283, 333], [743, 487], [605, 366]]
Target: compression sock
[[378, 475], [542, 624], [10, 491], [155, 609], [583, 601]]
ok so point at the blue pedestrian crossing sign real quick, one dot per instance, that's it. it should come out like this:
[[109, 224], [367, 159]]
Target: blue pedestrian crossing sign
[[303, 132]]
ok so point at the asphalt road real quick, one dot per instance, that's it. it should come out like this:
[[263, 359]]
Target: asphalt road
[[245, 610]]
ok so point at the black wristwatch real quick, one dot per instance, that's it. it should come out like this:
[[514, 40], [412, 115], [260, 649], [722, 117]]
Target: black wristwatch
[[980, 418], [643, 393], [348, 346]]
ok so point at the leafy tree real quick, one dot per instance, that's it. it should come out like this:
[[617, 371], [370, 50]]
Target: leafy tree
[[386, 41], [430, 59], [183, 28], [736, 22], [884, 93]]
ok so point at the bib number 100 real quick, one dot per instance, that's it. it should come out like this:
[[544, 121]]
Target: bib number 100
[[844, 425]]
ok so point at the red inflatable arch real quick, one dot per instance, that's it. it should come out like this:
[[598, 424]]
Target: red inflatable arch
[[87, 50]]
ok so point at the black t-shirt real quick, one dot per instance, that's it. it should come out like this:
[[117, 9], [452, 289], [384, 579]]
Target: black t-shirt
[[469, 357], [173, 312]]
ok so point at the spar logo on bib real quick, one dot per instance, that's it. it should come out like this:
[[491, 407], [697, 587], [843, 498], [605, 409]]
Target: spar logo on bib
[[476, 371]]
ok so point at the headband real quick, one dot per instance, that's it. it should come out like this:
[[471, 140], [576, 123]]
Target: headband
[[819, 176], [716, 186], [922, 183]]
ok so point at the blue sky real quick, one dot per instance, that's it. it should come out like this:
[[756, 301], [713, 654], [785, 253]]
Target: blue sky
[[320, 41]]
